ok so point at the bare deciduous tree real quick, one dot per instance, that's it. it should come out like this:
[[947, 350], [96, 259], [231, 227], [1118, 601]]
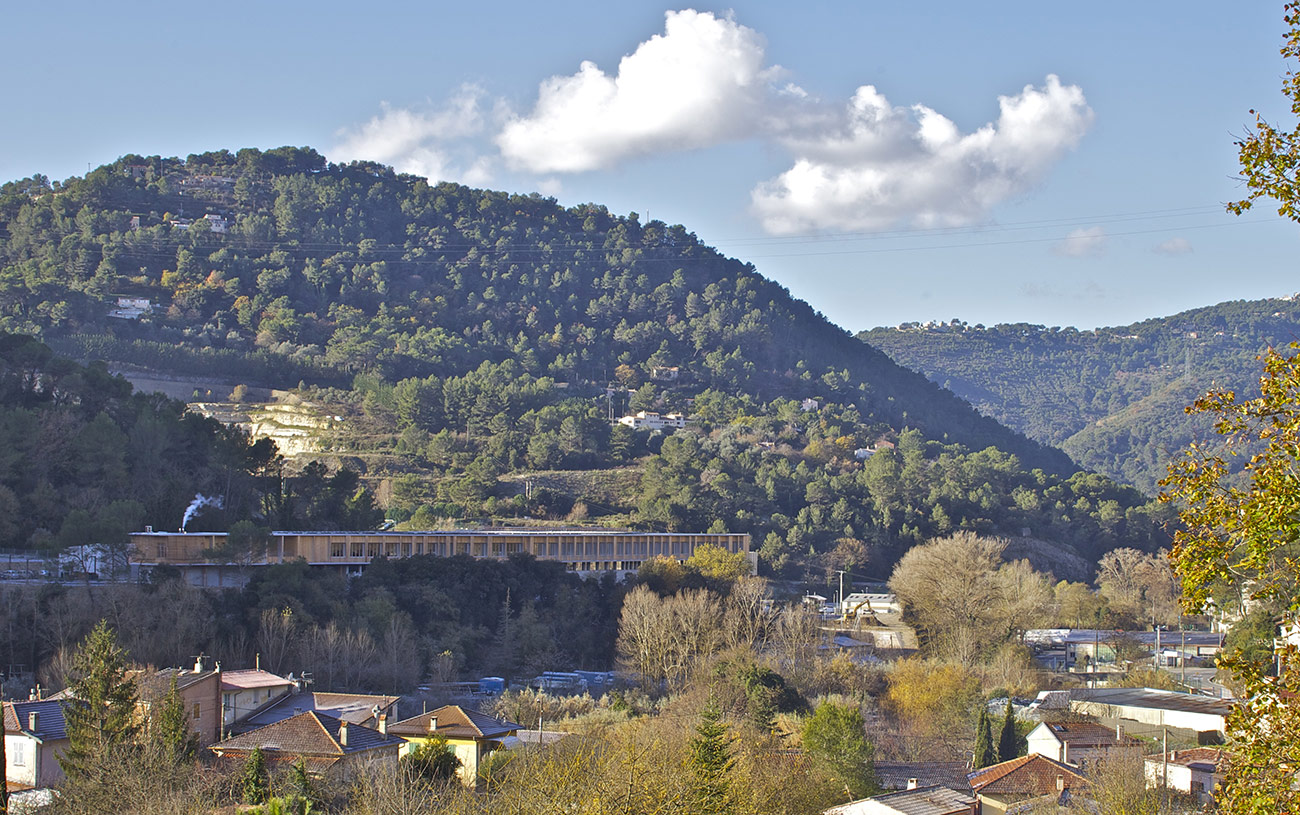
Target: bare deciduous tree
[[951, 587]]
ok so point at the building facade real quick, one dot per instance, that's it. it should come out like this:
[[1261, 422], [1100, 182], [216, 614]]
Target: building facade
[[35, 737], [581, 550]]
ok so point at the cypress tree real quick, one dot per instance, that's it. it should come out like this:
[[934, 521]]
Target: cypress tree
[[711, 762], [255, 782], [1008, 740], [984, 754]]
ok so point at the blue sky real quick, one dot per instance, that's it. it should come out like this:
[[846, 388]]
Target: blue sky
[[888, 162]]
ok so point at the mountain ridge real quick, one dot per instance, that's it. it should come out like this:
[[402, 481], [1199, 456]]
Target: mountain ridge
[[1111, 397]]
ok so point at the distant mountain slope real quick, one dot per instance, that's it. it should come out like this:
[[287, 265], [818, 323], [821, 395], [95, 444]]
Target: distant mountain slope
[[279, 267], [1112, 398]]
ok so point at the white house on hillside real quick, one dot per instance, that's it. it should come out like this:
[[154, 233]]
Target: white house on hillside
[[649, 420]]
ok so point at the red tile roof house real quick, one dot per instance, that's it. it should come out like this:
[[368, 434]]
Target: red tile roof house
[[245, 693], [200, 692], [1196, 771], [328, 746], [929, 800], [1077, 743], [471, 734], [35, 735], [1002, 786], [356, 708]]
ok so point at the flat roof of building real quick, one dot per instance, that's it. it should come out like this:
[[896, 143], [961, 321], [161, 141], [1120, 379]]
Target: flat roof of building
[[1154, 699], [472, 532]]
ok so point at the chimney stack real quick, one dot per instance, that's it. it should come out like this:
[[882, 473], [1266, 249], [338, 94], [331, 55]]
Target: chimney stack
[[343, 733], [33, 721], [1065, 752], [911, 783], [383, 723], [1119, 732], [433, 723], [198, 664]]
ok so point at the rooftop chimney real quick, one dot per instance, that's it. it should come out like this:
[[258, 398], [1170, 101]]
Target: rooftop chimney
[[1119, 732], [343, 733], [33, 721], [433, 723], [198, 664], [1065, 752], [911, 783], [383, 723]]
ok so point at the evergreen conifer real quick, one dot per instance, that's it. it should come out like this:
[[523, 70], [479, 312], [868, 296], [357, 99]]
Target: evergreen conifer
[[101, 716], [711, 762], [984, 754], [255, 782], [173, 728], [1009, 739]]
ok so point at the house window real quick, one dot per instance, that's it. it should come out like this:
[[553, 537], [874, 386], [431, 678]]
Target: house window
[[358, 549], [20, 753], [197, 710], [162, 550], [336, 549]]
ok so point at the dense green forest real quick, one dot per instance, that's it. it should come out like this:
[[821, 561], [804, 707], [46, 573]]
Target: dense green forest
[[474, 339], [1112, 398], [83, 460], [309, 271]]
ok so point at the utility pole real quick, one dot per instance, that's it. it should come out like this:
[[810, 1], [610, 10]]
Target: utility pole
[[1182, 654], [841, 573], [1164, 745]]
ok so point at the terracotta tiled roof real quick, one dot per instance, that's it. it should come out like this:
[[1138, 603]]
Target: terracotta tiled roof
[[456, 722], [308, 734], [357, 708], [932, 800], [1087, 734], [1207, 757], [157, 684], [50, 724], [1028, 775], [895, 775]]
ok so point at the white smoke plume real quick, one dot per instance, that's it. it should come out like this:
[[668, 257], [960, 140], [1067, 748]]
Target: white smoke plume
[[198, 503]]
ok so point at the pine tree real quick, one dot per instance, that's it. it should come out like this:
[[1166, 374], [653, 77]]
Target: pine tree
[[255, 781], [984, 755], [172, 728], [101, 716], [1009, 739], [711, 763]]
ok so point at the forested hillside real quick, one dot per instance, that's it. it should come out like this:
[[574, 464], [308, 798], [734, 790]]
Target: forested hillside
[[85, 460], [471, 338], [1112, 398]]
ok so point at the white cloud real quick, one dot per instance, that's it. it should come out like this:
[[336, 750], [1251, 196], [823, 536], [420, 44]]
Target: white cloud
[[880, 165], [437, 144], [1174, 246], [700, 82], [863, 165], [1082, 242]]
